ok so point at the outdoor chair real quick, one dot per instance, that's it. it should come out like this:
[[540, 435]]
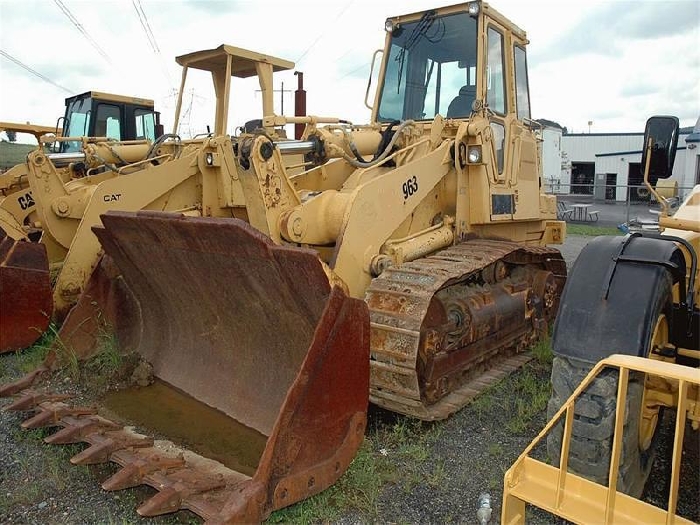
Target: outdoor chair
[[563, 212]]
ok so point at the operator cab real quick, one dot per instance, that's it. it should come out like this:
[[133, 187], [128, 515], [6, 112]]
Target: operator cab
[[95, 114]]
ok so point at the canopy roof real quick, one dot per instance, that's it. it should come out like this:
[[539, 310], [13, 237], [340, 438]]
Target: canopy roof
[[242, 65]]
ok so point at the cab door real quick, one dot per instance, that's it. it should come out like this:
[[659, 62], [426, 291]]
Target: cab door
[[503, 204], [515, 191]]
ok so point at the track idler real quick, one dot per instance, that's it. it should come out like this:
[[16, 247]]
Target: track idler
[[238, 323], [25, 293]]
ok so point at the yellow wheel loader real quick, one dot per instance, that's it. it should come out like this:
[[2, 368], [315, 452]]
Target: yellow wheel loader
[[406, 264], [637, 296]]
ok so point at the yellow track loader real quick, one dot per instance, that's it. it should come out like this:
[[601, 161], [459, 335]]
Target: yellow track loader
[[99, 124], [637, 296], [59, 193], [87, 115], [413, 249]]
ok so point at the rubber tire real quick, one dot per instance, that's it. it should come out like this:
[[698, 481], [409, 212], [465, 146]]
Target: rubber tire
[[594, 414]]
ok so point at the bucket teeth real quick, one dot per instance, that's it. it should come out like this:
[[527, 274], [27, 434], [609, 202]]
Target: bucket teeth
[[32, 399], [50, 414], [28, 380], [102, 448], [133, 473], [186, 483], [79, 428], [167, 500]]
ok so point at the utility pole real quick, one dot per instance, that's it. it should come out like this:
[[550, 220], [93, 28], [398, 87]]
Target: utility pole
[[281, 91]]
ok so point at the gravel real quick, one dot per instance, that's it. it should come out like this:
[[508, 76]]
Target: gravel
[[463, 457]]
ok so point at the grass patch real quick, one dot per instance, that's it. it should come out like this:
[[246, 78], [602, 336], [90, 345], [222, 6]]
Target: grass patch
[[358, 489], [520, 396], [30, 358], [543, 352], [107, 359], [12, 153], [530, 396], [396, 450], [591, 231]]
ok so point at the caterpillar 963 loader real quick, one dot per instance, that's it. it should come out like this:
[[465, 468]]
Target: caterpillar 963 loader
[[59, 194], [406, 264], [637, 296]]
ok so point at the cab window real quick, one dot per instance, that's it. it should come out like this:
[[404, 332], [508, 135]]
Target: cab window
[[108, 122], [430, 69], [522, 92], [495, 73], [145, 124]]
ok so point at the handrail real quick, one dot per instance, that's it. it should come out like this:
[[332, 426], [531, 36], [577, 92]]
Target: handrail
[[578, 499]]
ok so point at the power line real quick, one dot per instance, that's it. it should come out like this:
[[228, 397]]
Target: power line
[[33, 72], [323, 32], [363, 66], [80, 28], [145, 25], [143, 19]]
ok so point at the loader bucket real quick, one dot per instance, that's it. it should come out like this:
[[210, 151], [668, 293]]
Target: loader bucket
[[248, 327], [25, 292]]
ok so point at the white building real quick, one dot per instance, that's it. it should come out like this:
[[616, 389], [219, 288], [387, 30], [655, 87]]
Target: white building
[[604, 164]]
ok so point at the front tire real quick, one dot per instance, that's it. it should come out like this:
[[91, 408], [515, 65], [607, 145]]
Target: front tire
[[594, 411]]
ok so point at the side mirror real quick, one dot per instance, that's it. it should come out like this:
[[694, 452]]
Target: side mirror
[[660, 141], [369, 80]]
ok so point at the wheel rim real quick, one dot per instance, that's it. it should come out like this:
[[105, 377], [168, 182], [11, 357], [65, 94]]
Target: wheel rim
[[650, 406]]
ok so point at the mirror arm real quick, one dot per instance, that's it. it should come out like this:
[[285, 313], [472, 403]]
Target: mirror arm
[[661, 200]]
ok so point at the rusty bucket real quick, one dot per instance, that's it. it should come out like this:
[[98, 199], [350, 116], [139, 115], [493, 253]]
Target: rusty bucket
[[247, 327], [25, 293]]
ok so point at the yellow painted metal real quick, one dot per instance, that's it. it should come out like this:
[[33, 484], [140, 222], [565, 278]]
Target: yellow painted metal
[[32, 129], [651, 402], [111, 97], [574, 498]]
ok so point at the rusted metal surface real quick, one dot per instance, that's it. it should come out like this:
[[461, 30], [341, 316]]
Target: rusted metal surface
[[299, 104], [445, 327], [105, 306], [243, 325], [25, 293]]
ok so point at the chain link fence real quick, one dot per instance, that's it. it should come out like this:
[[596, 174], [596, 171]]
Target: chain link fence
[[614, 205]]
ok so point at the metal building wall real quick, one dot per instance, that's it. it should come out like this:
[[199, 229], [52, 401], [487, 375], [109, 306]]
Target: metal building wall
[[584, 147]]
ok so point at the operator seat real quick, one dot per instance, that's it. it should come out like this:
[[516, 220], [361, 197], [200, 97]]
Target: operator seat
[[461, 105]]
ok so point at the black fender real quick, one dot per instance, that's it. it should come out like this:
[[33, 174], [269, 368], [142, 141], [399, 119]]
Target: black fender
[[607, 302]]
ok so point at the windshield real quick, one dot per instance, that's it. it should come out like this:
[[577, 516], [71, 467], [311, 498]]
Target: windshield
[[76, 123], [431, 69]]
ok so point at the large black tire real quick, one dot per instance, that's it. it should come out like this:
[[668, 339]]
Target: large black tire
[[594, 412]]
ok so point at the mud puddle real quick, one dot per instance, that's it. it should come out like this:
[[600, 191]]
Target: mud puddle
[[160, 409]]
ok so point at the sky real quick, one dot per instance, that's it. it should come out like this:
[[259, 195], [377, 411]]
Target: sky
[[612, 63]]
